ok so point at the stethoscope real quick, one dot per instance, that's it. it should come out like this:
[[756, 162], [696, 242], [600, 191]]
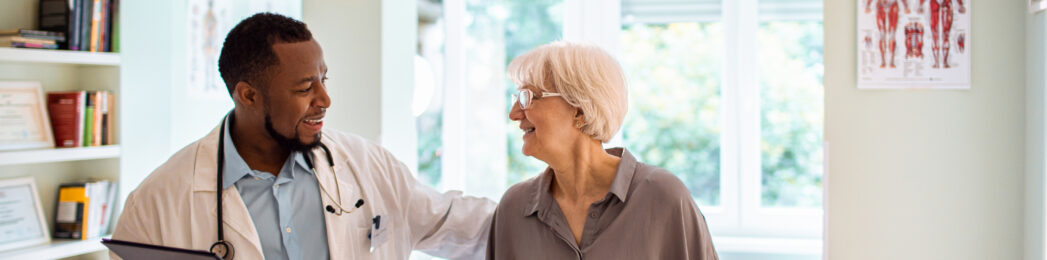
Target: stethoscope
[[225, 250]]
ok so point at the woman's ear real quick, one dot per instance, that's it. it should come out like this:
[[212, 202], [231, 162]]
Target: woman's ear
[[579, 118]]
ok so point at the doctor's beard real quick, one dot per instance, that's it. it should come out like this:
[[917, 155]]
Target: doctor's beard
[[295, 144]]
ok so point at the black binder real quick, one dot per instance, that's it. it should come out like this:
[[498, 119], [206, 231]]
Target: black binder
[[135, 251]]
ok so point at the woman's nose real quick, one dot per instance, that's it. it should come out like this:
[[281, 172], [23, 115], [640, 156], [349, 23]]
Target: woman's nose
[[516, 113]]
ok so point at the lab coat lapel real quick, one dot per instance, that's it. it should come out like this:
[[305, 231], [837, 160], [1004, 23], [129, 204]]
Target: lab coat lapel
[[347, 234], [336, 229], [235, 215]]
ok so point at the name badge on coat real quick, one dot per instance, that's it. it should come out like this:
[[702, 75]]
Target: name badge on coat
[[378, 235]]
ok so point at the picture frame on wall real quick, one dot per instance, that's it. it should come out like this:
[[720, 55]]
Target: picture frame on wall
[[22, 221], [23, 110], [917, 53], [1037, 5]]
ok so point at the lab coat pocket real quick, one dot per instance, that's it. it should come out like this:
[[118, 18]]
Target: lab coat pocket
[[361, 244], [378, 235]]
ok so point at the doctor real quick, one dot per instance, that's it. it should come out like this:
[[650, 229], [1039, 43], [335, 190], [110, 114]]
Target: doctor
[[283, 188]]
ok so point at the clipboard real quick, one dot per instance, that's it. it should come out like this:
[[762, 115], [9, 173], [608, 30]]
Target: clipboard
[[135, 251]]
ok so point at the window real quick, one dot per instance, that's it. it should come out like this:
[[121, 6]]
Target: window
[[725, 94], [728, 96], [674, 121], [471, 42], [790, 56]]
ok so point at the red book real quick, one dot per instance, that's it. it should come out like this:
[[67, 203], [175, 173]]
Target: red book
[[66, 111]]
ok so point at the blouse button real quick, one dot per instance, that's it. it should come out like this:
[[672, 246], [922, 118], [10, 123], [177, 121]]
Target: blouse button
[[592, 215]]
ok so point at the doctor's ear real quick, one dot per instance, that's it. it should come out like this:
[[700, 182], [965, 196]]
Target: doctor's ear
[[246, 94]]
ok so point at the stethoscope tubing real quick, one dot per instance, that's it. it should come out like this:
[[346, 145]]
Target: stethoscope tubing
[[228, 248]]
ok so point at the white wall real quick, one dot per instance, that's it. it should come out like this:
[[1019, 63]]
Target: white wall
[[161, 116], [1036, 29], [369, 47], [922, 174], [147, 76]]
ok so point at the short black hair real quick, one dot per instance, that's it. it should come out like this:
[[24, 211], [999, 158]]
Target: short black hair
[[248, 49]]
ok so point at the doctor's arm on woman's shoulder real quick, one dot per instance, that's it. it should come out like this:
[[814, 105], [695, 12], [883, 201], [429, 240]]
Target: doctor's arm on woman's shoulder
[[448, 224]]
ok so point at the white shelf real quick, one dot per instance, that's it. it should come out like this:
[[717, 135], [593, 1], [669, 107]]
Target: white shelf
[[59, 56], [57, 248], [59, 155]]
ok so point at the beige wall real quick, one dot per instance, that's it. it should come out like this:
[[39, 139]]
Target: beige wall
[[922, 174], [1036, 29]]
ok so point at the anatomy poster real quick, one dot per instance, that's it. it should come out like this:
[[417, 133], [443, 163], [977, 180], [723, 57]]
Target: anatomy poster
[[914, 44], [208, 23]]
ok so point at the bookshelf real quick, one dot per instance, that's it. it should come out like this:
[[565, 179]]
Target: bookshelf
[[57, 248], [14, 55], [60, 70], [59, 155]]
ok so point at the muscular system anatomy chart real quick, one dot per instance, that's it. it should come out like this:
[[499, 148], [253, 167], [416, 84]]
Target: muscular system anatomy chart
[[914, 44]]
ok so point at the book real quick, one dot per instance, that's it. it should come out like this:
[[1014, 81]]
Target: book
[[35, 34], [75, 24], [103, 28], [70, 211], [34, 45], [110, 118], [96, 23], [89, 115], [114, 38], [57, 36], [59, 16], [64, 109], [84, 26], [96, 120], [107, 209], [84, 209], [10, 39], [98, 192]]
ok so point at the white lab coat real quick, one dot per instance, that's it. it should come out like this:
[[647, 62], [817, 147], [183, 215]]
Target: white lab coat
[[175, 206]]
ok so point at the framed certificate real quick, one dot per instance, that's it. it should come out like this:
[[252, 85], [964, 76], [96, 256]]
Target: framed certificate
[[22, 221], [24, 122]]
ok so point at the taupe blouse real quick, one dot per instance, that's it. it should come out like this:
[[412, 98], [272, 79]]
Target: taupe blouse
[[647, 214]]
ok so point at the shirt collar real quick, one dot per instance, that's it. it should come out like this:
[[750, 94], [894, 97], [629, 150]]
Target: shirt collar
[[623, 178], [236, 168]]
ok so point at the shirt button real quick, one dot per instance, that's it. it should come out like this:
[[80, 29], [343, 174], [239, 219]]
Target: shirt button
[[288, 230], [256, 178], [278, 186]]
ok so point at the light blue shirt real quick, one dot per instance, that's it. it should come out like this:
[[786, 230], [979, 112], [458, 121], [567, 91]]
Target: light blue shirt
[[286, 209]]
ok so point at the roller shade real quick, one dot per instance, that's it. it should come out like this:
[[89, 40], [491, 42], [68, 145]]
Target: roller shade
[[668, 11]]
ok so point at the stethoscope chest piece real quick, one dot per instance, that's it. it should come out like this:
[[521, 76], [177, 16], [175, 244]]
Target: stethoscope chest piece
[[222, 249]]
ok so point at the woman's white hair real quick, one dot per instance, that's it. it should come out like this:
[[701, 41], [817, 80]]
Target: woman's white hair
[[586, 76]]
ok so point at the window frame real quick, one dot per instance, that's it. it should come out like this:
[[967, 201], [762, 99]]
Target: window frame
[[740, 214]]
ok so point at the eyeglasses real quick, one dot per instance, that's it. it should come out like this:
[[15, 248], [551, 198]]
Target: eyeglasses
[[526, 96]]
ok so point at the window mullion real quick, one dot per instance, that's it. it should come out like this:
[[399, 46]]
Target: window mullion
[[453, 132], [730, 114], [748, 109]]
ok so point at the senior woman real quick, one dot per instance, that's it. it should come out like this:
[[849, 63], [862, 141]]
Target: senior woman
[[589, 203]]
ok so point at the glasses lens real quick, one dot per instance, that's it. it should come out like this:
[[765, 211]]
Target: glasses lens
[[525, 98]]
